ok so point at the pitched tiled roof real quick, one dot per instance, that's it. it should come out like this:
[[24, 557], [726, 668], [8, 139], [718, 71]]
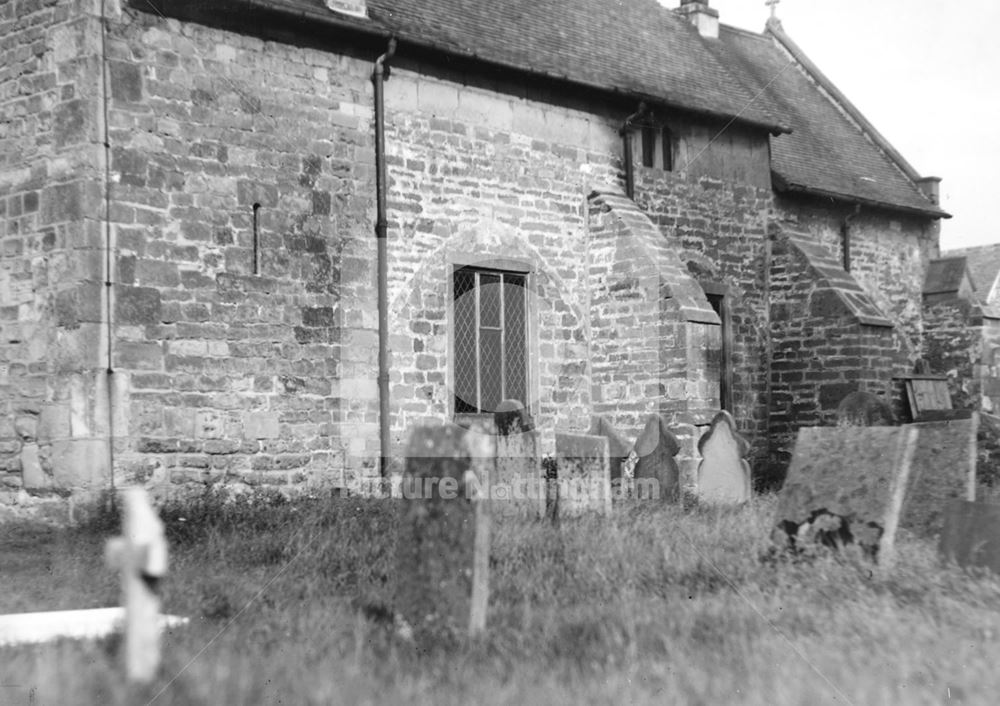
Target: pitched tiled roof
[[984, 266], [639, 48], [944, 276], [630, 46], [828, 151]]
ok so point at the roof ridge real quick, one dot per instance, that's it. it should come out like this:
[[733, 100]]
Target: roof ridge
[[743, 31]]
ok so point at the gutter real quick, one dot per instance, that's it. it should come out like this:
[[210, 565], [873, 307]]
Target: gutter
[[781, 185], [379, 76]]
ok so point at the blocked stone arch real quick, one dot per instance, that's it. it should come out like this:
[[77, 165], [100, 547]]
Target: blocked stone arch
[[421, 328]]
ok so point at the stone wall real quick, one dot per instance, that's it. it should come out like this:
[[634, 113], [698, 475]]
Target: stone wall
[[234, 335], [53, 385], [719, 230], [242, 185], [889, 254], [654, 338], [829, 339]]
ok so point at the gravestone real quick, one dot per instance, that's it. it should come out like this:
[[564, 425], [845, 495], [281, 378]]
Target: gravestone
[[928, 396], [844, 485], [723, 474], [141, 556], [518, 487], [863, 409], [943, 469], [619, 447], [443, 536], [656, 448], [971, 534], [583, 469]]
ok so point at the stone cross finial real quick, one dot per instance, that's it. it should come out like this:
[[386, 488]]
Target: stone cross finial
[[141, 556], [773, 4]]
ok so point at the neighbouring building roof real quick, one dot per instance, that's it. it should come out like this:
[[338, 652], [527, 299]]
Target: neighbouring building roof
[[945, 275], [639, 48], [984, 267], [966, 273]]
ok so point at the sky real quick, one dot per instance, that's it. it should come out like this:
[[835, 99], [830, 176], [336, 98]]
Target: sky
[[924, 72]]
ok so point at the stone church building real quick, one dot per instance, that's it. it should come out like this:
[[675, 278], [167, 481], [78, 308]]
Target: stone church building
[[591, 206]]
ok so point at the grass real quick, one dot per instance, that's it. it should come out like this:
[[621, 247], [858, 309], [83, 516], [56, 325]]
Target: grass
[[654, 605]]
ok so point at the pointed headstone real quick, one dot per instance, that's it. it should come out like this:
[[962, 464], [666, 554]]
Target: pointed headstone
[[656, 448], [723, 474]]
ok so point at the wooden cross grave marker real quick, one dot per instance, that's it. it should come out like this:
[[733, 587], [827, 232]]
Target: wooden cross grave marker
[[141, 556]]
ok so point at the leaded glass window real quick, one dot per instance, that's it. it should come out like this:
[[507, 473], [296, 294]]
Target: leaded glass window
[[490, 340]]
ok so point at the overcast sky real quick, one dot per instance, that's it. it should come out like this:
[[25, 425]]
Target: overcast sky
[[924, 72]]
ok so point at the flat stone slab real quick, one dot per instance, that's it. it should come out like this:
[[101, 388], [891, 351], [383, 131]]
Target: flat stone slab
[[584, 474], [943, 469], [856, 475], [723, 474], [442, 546], [619, 447], [92, 624], [518, 486], [971, 534]]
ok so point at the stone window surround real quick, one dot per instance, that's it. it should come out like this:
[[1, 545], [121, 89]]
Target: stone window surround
[[458, 260]]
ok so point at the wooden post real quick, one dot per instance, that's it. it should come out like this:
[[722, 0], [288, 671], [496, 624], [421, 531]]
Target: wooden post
[[141, 556]]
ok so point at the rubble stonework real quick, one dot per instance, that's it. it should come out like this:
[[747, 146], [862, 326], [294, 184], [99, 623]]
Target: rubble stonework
[[234, 336]]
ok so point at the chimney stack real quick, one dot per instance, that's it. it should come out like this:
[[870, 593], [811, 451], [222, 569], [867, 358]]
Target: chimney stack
[[931, 188], [701, 16]]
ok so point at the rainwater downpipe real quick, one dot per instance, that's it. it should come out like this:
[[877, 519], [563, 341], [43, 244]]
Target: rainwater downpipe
[[626, 133], [379, 77], [108, 251]]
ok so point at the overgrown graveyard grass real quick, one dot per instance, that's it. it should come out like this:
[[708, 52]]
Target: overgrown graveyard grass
[[290, 604]]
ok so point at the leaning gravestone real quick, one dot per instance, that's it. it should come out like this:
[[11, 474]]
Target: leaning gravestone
[[442, 545], [656, 448], [943, 469], [971, 534], [846, 484], [518, 487], [723, 474], [584, 474]]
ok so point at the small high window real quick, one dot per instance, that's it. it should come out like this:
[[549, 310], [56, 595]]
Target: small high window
[[490, 339], [657, 147]]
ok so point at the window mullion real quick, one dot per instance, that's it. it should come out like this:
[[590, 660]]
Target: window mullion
[[503, 337], [479, 365]]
